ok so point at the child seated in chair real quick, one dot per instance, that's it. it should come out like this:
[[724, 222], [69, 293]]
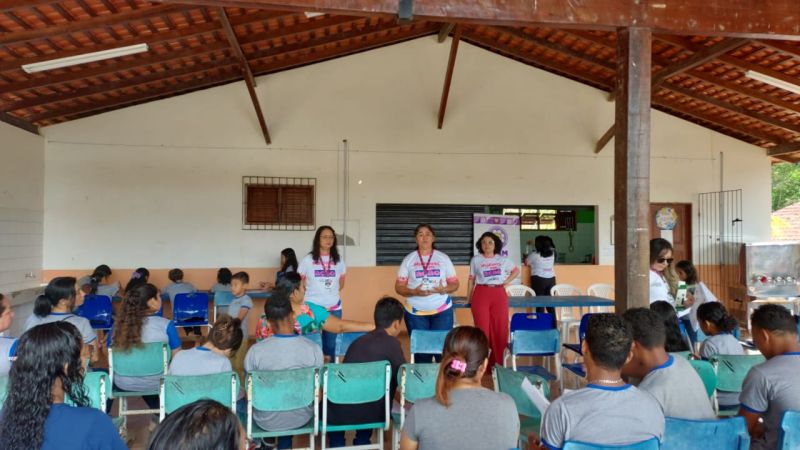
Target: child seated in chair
[[224, 340], [717, 325], [670, 379], [607, 411], [381, 344], [281, 351], [772, 387], [178, 286]]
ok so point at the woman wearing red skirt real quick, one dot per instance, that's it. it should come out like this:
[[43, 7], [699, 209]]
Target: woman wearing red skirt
[[489, 274]]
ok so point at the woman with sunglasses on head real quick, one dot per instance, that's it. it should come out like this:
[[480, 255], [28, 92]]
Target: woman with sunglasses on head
[[663, 281]]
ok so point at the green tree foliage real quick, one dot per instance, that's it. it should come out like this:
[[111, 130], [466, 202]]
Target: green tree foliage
[[785, 185]]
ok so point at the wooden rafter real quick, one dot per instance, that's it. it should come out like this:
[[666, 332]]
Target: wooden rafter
[[249, 80], [19, 123], [445, 31], [559, 48], [784, 149], [448, 77]]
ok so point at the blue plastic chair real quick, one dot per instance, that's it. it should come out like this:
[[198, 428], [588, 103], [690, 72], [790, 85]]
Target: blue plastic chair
[[190, 310], [283, 390], [352, 384], [416, 381], [149, 360], [544, 343], [577, 367], [427, 341], [343, 341], [790, 431], [510, 382], [221, 300], [726, 434], [177, 391], [97, 310], [650, 444], [532, 321]]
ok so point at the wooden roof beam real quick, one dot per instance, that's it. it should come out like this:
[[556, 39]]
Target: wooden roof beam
[[448, 77], [445, 31], [249, 80], [19, 123], [560, 48], [784, 149]]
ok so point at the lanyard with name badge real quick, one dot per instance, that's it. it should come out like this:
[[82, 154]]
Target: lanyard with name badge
[[425, 281]]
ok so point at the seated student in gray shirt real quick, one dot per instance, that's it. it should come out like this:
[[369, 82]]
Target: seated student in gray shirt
[[718, 326], [463, 415], [670, 379], [773, 387], [282, 351], [212, 357], [607, 411]]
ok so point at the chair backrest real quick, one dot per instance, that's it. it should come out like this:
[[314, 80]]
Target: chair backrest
[[343, 341], [532, 321], [725, 434], [542, 342], [3, 390], [355, 383], [601, 290], [428, 341], [519, 290], [417, 381], [97, 388], [564, 289], [707, 374], [731, 370], [650, 444], [223, 298], [583, 326], [97, 310], [177, 391], [790, 431], [509, 382], [190, 306], [283, 390], [148, 360], [315, 338]]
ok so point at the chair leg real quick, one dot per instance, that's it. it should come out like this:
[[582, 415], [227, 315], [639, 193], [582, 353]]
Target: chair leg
[[395, 437], [380, 437]]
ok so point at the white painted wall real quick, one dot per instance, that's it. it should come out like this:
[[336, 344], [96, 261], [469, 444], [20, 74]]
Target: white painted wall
[[159, 184], [21, 208]]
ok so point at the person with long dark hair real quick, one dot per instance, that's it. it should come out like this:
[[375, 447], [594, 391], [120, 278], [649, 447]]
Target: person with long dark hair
[[7, 343], [48, 368], [719, 326], [426, 278], [663, 280], [323, 272], [697, 294], [224, 339], [489, 274], [139, 276], [201, 425], [288, 264], [56, 305], [543, 275], [99, 282], [675, 340], [463, 414], [224, 279]]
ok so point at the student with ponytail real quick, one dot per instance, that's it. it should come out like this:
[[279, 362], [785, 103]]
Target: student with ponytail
[[718, 326], [224, 340], [463, 414], [56, 305], [99, 282], [139, 276]]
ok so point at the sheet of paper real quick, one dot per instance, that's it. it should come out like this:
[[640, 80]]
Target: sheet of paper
[[539, 400]]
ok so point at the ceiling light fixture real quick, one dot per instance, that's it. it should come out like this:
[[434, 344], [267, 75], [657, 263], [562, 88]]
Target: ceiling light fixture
[[772, 81], [85, 58], [310, 14]]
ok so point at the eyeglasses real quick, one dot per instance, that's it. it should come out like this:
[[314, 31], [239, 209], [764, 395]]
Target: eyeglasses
[[665, 260]]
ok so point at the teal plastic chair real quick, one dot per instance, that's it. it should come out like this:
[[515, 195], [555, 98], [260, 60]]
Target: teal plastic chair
[[707, 374], [790, 431], [222, 299], [356, 383], [96, 386], [427, 341], [416, 381], [650, 444], [343, 341], [725, 434], [3, 390], [283, 390], [152, 359], [731, 371], [509, 382], [177, 391]]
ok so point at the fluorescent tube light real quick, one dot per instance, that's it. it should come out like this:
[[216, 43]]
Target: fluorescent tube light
[[85, 58], [773, 81], [310, 14]]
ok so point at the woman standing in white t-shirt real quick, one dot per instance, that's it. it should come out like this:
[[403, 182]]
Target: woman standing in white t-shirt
[[543, 275], [489, 274], [323, 273], [426, 278], [660, 271]]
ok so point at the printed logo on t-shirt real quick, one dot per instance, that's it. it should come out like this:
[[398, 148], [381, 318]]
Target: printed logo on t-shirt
[[430, 273], [322, 273], [492, 272]]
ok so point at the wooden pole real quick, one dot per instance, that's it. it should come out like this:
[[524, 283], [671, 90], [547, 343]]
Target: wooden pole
[[448, 77], [632, 168]]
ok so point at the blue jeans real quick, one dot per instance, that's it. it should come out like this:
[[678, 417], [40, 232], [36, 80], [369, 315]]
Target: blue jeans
[[441, 321], [329, 339], [284, 442], [336, 438]]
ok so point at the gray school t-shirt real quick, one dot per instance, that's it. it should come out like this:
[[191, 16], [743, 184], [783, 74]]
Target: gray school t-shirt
[[770, 389], [603, 415], [174, 289], [477, 419], [722, 344], [219, 287], [81, 323], [679, 390], [199, 361], [154, 329], [281, 352], [236, 305]]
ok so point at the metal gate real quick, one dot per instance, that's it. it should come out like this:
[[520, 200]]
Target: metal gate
[[719, 240]]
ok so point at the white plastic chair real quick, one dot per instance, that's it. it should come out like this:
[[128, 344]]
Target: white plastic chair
[[601, 290], [519, 290], [566, 320]]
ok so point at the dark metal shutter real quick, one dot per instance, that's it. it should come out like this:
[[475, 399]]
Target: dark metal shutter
[[395, 225]]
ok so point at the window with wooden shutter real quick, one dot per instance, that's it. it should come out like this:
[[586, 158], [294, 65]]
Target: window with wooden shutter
[[278, 203]]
